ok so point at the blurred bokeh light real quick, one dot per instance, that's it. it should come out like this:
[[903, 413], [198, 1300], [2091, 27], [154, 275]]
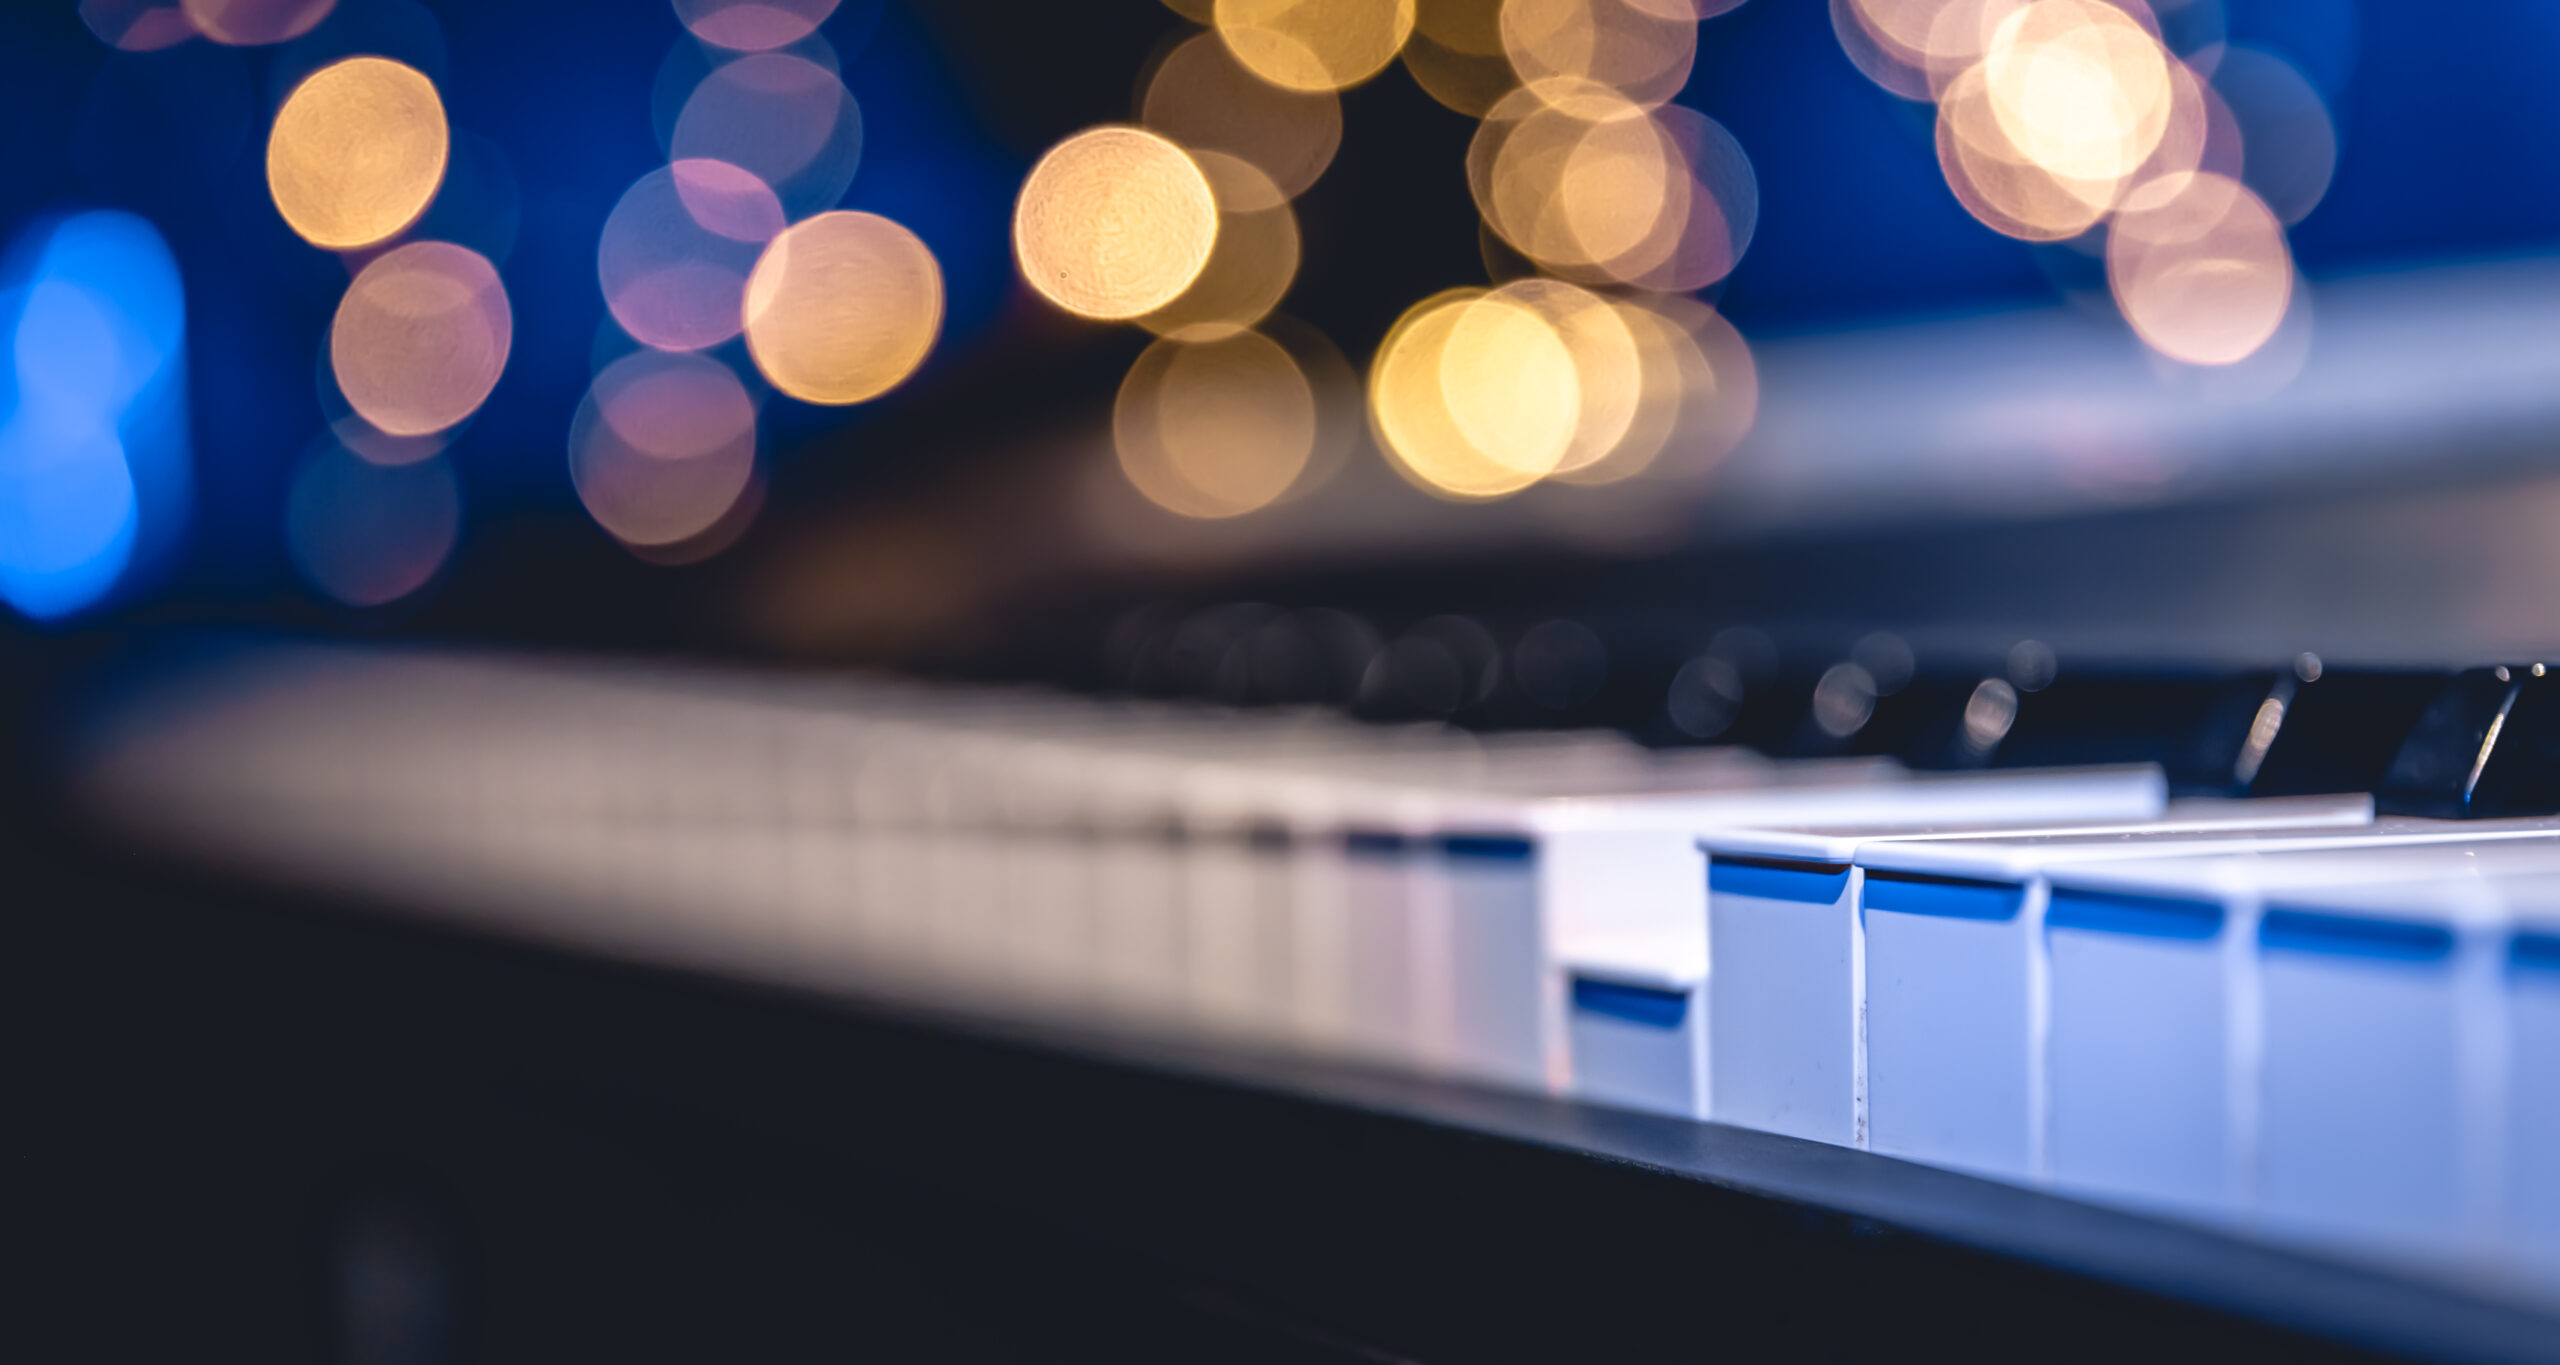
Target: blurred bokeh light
[[785, 119], [356, 153], [95, 464], [1251, 265], [675, 252], [2200, 267], [1215, 428], [1201, 97], [366, 534], [753, 25], [421, 337], [843, 307], [1557, 44], [663, 447], [1114, 222], [255, 23], [1315, 44], [138, 25]]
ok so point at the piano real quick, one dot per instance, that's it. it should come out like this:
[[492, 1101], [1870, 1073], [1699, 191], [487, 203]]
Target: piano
[[1416, 700]]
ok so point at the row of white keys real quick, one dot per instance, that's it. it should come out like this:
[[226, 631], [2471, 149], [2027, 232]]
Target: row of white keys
[[1647, 999], [2050, 977], [1959, 998], [2368, 1060]]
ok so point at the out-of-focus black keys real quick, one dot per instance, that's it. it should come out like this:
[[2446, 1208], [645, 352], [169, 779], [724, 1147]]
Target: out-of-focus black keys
[[2488, 744]]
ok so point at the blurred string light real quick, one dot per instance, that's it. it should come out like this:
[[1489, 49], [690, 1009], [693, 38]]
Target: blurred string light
[[138, 25], [1558, 45], [1114, 222], [366, 533], [662, 447], [1479, 394], [356, 152], [675, 252], [1474, 396], [94, 460], [1581, 165], [255, 23], [843, 307], [1215, 428], [1596, 188], [739, 235], [783, 118], [1314, 44], [1456, 54], [421, 337], [752, 25], [2198, 265], [1201, 97], [1251, 264], [2059, 118]]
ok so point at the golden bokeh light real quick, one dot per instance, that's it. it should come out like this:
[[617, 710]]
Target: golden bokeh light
[[357, 152], [2078, 88], [1342, 426], [138, 25], [1511, 384], [1471, 83], [663, 447], [1202, 98], [781, 117], [843, 307], [1997, 183], [369, 534], [1473, 397], [255, 23], [1455, 54], [1523, 153], [1668, 369], [2199, 266], [1700, 394], [1915, 48], [1215, 429], [752, 25], [1643, 56], [1663, 199], [1314, 44], [1607, 365], [1709, 219], [675, 252], [421, 337], [1114, 222], [1694, 11], [1251, 266]]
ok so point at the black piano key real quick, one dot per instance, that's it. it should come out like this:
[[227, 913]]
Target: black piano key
[[2487, 745]]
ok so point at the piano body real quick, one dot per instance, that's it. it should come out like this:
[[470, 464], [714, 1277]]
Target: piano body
[[1957, 753]]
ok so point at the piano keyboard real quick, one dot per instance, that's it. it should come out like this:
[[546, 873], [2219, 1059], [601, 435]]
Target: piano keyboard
[[2283, 1016]]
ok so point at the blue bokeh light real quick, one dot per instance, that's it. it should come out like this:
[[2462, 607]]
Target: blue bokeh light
[[94, 462]]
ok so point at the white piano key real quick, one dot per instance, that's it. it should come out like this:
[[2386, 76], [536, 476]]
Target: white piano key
[[1782, 1007], [1958, 1005], [2371, 1004], [2529, 1225], [1606, 875], [1788, 1018], [1637, 1029]]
